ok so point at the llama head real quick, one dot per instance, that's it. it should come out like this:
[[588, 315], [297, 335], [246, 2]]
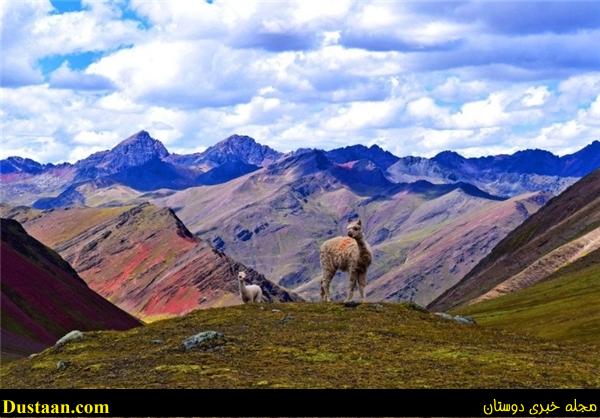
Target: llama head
[[354, 229], [241, 276]]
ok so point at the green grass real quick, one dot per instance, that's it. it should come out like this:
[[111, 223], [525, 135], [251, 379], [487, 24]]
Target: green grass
[[565, 307], [319, 345]]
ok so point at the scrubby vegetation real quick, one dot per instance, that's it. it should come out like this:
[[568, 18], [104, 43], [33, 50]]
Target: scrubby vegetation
[[310, 345]]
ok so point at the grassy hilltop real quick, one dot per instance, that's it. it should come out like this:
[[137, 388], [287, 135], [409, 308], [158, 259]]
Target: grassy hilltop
[[310, 345]]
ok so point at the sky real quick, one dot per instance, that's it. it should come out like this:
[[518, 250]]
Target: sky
[[416, 78]]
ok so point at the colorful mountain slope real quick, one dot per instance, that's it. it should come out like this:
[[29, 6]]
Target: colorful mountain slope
[[275, 219], [311, 345], [564, 306], [563, 231], [145, 260], [43, 298]]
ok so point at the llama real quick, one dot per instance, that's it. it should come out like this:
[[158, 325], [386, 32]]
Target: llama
[[250, 293], [351, 254]]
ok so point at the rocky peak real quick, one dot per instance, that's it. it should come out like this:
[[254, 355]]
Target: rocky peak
[[241, 148], [136, 150], [141, 143]]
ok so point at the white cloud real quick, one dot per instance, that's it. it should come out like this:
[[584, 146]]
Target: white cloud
[[64, 77], [536, 96], [416, 78]]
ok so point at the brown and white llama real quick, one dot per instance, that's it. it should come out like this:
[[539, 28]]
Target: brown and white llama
[[351, 254]]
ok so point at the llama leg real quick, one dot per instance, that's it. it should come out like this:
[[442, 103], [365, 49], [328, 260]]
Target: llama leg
[[353, 276], [325, 282], [362, 282]]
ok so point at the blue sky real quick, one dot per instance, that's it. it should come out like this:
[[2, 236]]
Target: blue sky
[[414, 77]]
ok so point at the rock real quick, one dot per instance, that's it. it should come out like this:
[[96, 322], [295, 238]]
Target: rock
[[377, 306], [71, 336], [34, 355], [157, 341], [275, 310], [444, 315], [206, 340], [458, 318], [464, 320], [351, 304], [62, 365]]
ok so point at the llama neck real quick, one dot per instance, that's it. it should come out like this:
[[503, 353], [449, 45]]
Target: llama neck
[[362, 245], [242, 288]]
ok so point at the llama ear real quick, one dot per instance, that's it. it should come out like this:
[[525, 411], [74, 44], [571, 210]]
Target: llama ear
[[359, 222]]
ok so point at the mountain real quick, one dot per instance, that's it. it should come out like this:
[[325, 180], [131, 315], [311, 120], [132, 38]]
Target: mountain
[[234, 149], [227, 171], [566, 229], [139, 162], [564, 306], [43, 298], [144, 259], [381, 158], [583, 161], [311, 345], [100, 192], [22, 165], [136, 150], [275, 219], [502, 175]]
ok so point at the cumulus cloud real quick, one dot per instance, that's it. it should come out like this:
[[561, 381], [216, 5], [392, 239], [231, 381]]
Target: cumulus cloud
[[64, 77], [415, 78]]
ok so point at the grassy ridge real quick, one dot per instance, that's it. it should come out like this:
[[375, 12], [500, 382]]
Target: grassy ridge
[[565, 306], [310, 345]]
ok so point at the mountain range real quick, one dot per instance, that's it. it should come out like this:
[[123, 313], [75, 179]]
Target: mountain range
[[424, 236], [143, 163], [429, 220]]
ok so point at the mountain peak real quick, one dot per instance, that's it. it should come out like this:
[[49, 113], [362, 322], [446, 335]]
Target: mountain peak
[[240, 148], [449, 158], [136, 150], [142, 142], [381, 158], [238, 139]]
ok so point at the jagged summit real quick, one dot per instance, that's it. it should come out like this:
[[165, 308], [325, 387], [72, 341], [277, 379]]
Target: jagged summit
[[242, 148], [143, 143]]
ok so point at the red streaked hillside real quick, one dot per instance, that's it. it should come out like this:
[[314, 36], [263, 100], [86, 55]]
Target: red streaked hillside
[[43, 298], [144, 259]]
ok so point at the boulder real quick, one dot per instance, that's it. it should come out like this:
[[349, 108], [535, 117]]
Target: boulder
[[206, 340], [71, 336], [456, 318], [61, 365]]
